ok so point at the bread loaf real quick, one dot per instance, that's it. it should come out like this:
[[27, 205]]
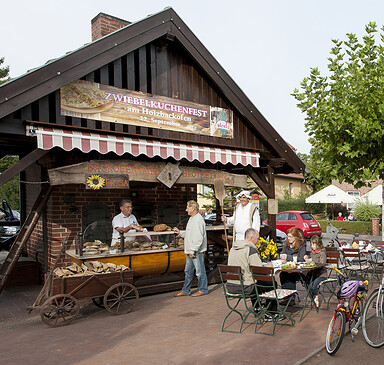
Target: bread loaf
[[160, 227]]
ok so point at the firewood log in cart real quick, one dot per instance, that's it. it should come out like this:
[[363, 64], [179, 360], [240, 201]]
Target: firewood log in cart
[[58, 300]]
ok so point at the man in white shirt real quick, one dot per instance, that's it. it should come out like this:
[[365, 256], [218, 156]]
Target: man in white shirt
[[123, 222], [246, 215]]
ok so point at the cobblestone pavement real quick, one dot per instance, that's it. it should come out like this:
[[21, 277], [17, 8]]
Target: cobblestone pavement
[[161, 330]]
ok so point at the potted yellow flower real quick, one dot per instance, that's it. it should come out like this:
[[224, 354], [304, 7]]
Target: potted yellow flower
[[267, 250]]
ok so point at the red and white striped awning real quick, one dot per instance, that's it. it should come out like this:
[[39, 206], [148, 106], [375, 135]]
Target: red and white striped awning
[[48, 138]]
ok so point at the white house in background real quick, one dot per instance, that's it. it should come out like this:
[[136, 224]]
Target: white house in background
[[375, 196], [351, 190]]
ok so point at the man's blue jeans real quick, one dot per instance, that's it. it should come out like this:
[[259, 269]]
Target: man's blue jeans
[[192, 265]]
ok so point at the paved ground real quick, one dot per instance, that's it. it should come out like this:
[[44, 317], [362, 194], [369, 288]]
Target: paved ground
[[161, 330], [164, 330]]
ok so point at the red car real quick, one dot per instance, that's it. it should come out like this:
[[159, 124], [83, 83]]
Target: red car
[[303, 221]]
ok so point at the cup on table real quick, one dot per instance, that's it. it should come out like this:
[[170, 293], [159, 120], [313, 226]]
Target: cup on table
[[283, 258], [295, 259]]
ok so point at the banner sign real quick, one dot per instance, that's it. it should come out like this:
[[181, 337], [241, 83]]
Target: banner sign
[[91, 100], [116, 174]]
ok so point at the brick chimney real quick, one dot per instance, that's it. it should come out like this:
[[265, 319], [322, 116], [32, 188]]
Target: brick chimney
[[103, 24]]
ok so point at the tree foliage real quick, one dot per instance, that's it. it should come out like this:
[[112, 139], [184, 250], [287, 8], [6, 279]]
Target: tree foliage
[[314, 171], [345, 110], [229, 200], [10, 190], [4, 72]]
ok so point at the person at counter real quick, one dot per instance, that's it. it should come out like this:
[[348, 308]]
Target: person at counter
[[246, 215], [195, 244], [126, 222]]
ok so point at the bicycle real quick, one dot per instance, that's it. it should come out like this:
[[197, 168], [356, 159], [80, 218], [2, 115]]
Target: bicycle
[[333, 235], [352, 298], [373, 317]]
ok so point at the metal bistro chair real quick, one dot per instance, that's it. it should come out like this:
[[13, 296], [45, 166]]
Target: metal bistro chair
[[330, 285], [228, 272], [267, 293], [355, 264], [377, 259], [334, 259]]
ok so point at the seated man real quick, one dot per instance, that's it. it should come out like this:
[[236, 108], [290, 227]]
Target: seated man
[[126, 222], [244, 253]]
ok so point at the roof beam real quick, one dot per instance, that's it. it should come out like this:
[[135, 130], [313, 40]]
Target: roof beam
[[21, 165]]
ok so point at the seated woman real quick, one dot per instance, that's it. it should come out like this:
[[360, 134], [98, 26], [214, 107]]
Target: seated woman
[[318, 255], [294, 247]]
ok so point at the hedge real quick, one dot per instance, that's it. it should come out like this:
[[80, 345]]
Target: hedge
[[351, 227], [292, 204]]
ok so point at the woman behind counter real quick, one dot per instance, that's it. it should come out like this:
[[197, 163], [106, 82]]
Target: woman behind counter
[[295, 247]]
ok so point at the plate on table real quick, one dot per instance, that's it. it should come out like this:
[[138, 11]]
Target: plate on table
[[308, 265], [290, 265]]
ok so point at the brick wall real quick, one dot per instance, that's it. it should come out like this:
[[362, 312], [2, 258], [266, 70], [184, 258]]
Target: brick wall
[[103, 24], [349, 187]]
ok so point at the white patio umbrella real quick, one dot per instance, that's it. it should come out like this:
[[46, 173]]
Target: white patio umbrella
[[375, 196], [330, 195]]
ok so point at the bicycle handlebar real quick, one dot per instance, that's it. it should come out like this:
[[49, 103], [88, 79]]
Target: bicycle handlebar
[[338, 271], [365, 282]]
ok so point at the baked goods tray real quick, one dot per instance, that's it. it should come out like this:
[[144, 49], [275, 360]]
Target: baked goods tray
[[149, 233]]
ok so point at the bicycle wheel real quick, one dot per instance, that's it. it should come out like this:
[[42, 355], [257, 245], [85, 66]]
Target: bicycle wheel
[[359, 309], [373, 319], [335, 333]]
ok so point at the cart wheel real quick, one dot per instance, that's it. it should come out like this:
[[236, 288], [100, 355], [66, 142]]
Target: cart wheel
[[59, 310], [98, 302], [121, 298]]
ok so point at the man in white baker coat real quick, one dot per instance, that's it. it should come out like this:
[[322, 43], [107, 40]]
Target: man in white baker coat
[[246, 215], [123, 222]]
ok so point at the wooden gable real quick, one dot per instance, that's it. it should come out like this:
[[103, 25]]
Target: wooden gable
[[158, 55]]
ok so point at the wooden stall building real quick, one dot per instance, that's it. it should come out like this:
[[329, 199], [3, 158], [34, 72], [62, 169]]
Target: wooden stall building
[[144, 113]]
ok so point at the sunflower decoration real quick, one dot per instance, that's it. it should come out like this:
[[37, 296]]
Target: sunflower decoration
[[95, 182], [266, 249]]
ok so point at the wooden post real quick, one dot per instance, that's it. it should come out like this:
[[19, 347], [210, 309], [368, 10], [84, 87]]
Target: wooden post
[[268, 188]]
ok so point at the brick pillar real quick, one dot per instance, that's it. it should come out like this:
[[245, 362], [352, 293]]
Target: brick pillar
[[103, 24], [375, 227]]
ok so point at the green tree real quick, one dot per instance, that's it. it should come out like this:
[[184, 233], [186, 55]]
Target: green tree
[[314, 171], [10, 190], [345, 110], [4, 72]]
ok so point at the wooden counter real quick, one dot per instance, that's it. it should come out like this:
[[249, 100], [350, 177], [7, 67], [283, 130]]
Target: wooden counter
[[141, 262], [149, 262]]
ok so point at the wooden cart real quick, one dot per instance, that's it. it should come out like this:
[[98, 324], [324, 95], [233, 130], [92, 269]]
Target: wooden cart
[[112, 291], [57, 300]]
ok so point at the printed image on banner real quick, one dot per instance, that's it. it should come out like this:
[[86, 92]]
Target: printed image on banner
[[84, 99]]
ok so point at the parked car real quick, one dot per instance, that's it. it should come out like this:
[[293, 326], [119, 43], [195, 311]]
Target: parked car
[[8, 233], [303, 221], [280, 239], [210, 219]]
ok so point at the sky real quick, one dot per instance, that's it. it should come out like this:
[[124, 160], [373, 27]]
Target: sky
[[267, 47]]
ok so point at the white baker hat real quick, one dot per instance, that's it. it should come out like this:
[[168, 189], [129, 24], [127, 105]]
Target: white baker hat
[[246, 193]]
